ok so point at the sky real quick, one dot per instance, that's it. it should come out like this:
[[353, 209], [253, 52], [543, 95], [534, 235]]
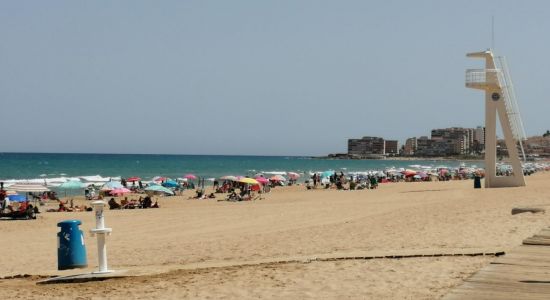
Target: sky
[[252, 77]]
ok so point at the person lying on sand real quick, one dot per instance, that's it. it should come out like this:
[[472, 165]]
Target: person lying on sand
[[62, 206], [129, 204]]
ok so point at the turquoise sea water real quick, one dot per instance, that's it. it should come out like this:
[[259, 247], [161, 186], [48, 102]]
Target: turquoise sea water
[[52, 165]]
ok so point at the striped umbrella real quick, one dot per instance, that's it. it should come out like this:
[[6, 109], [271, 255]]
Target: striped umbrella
[[23, 187]]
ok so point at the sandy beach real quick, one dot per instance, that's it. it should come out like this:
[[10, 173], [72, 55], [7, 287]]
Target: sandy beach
[[263, 249]]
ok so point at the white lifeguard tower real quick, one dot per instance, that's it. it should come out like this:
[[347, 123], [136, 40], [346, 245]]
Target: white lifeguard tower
[[500, 99]]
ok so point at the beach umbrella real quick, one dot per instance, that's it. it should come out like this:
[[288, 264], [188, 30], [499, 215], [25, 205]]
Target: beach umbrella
[[327, 173], [159, 188], [293, 175], [277, 178], [120, 191], [408, 172], [190, 176], [133, 179], [170, 183], [72, 185], [111, 185], [248, 180], [24, 187], [229, 177], [262, 180]]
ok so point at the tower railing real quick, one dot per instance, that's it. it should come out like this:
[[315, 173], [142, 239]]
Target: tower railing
[[481, 78], [510, 101]]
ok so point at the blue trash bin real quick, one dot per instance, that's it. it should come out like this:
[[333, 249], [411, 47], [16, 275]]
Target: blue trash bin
[[477, 182], [71, 251]]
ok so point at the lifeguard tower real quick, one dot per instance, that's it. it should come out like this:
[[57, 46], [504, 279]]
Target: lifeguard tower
[[500, 99]]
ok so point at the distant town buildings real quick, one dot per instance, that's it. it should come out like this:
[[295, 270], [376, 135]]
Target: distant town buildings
[[410, 147], [534, 147], [443, 142], [479, 139], [391, 147], [538, 146], [454, 141], [367, 146]]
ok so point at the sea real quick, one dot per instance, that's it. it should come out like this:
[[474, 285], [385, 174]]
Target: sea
[[28, 166]]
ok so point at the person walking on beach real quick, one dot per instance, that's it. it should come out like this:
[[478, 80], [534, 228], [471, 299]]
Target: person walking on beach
[[314, 178], [216, 185]]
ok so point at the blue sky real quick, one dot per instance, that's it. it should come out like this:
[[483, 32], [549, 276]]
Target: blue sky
[[255, 77]]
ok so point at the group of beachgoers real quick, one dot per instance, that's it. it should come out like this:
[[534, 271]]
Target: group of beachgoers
[[235, 190], [68, 206], [341, 181], [141, 203], [361, 181]]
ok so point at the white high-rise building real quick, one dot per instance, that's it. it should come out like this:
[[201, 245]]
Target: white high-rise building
[[479, 135]]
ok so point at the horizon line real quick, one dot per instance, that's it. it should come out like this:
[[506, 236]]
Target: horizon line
[[171, 154]]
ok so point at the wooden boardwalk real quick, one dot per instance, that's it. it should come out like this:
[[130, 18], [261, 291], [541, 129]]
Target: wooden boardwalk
[[523, 273]]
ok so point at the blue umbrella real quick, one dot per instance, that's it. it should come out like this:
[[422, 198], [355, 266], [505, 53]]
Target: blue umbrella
[[159, 188], [327, 173], [71, 184], [111, 185], [170, 183], [17, 198]]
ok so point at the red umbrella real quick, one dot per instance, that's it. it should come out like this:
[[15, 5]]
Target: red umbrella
[[408, 173], [262, 180], [133, 179], [120, 191], [190, 176]]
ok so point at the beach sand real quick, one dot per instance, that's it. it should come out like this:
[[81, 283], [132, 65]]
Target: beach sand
[[262, 249]]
